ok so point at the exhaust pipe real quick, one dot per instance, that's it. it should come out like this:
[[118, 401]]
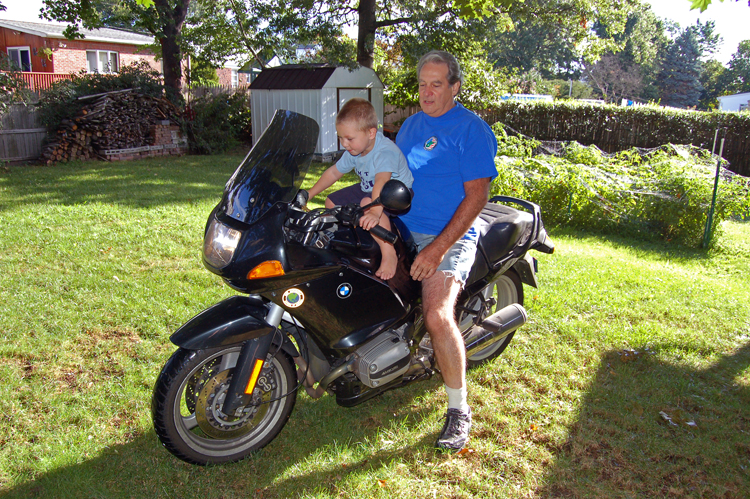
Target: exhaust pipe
[[495, 327]]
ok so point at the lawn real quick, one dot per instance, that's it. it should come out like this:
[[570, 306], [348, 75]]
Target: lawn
[[631, 379]]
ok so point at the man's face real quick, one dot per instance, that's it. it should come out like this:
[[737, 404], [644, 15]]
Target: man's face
[[435, 93]]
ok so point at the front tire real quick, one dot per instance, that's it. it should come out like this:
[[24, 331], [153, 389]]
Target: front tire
[[189, 394], [507, 290]]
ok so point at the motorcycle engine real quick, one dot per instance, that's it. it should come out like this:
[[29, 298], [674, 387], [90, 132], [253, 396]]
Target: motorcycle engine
[[382, 359]]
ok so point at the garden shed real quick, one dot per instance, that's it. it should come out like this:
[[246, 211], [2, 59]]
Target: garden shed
[[315, 90]]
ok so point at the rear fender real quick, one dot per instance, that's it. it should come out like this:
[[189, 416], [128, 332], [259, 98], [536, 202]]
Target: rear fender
[[526, 270], [232, 321]]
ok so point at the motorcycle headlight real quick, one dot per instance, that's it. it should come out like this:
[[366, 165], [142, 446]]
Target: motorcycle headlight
[[219, 244]]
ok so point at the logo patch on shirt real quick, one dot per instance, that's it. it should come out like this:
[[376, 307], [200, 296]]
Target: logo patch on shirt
[[431, 143]]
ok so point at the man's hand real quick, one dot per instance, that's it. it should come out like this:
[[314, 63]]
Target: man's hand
[[426, 262]]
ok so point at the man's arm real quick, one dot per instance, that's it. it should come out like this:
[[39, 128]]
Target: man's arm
[[427, 261]]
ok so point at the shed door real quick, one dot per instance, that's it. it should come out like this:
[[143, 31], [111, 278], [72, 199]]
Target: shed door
[[345, 94]]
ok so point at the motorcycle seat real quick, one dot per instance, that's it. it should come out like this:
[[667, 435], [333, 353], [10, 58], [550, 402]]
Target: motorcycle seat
[[504, 230]]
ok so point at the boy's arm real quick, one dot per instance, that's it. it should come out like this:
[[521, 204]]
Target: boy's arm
[[329, 177], [372, 217]]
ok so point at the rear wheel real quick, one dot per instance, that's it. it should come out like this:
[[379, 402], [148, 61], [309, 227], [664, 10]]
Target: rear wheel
[[189, 395], [507, 289]]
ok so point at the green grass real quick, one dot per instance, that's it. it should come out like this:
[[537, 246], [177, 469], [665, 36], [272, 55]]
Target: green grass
[[99, 263]]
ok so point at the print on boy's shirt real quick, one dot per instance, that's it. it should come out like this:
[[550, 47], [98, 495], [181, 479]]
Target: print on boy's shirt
[[367, 185]]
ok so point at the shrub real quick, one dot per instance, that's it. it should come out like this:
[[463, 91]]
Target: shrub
[[219, 122], [664, 192]]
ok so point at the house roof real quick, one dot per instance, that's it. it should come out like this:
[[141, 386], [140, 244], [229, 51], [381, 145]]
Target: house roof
[[742, 95], [55, 30], [293, 77]]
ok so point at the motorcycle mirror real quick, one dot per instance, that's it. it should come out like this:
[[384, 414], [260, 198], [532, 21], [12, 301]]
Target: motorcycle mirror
[[395, 196]]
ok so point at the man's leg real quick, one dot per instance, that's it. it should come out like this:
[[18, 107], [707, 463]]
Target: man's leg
[[439, 293]]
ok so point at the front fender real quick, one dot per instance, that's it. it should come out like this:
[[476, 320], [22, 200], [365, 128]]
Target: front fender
[[232, 321]]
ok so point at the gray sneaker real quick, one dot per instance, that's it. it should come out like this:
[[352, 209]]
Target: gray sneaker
[[455, 431]]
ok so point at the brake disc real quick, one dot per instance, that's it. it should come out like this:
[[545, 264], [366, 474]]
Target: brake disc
[[215, 423]]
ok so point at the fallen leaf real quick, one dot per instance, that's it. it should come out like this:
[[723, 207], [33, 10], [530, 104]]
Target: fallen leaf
[[381, 483], [533, 427], [465, 451]]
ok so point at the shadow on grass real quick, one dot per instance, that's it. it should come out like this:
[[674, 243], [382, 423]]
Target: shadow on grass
[[653, 429], [143, 468], [156, 181], [621, 446]]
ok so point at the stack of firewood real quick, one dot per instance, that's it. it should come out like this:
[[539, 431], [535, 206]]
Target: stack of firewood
[[114, 120]]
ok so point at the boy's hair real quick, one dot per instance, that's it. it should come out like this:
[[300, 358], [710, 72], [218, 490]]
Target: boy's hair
[[359, 111]]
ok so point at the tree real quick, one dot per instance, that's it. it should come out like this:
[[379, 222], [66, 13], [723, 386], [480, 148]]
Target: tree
[[164, 19], [703, 4], [613, 79], [714, 84], [275, 24], [678, 80], [736, 79]]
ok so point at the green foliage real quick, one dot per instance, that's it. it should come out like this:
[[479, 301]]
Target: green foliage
[[219, 122], [61, 102], [203, 74], [13, 89], [664, 192], [614, 128]]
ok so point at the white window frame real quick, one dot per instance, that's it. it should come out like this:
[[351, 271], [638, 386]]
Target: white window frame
[[20, 49], [99, 68], [235, 79]]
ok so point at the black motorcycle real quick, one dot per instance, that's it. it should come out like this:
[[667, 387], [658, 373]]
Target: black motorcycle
[[313, 311]]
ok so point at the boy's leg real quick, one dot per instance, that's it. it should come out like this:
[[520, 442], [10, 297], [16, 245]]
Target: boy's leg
[[388, 257]]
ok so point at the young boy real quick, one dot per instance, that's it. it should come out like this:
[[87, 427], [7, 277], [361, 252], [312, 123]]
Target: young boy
[[376, 160]]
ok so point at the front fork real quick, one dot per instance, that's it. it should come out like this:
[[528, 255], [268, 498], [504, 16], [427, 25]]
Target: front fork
[[249, 365]]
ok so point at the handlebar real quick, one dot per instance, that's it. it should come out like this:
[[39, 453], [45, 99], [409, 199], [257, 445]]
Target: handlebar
[[384, 234]]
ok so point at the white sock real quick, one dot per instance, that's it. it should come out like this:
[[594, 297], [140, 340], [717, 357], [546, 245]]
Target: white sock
[[457, 398]]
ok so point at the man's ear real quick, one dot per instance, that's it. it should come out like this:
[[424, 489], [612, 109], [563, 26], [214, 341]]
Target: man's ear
[[455, 88]]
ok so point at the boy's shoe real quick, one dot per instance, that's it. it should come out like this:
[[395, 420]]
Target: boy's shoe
[[455, 431]]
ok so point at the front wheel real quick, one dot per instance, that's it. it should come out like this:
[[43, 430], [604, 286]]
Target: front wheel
[[189, 394], [507, 290]]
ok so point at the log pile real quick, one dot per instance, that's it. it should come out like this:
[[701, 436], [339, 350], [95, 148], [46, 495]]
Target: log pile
[[117, 120]]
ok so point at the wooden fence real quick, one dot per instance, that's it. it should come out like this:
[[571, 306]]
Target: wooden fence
[[42, 81], [21, 134]]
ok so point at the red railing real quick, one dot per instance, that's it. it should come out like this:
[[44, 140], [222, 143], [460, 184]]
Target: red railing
[[42, 81]]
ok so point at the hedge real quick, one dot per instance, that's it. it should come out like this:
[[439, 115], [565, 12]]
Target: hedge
[[616, 128]]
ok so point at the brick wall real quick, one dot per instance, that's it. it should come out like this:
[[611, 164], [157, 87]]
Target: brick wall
[[70, 55], [225, 77]]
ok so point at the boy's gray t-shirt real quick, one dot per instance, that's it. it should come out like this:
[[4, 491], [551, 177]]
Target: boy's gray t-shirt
[[384, 157]]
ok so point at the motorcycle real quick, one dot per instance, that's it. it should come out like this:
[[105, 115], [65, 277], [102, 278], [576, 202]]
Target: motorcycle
[[311, 309]]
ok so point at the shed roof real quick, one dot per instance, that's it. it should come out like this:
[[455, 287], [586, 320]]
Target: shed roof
[[293, 77], [55, 30]]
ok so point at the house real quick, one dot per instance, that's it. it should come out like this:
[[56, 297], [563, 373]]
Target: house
[[315, 90], [42, 51], [736, 102]]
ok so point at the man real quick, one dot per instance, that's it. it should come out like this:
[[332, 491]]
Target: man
[[451, 154]]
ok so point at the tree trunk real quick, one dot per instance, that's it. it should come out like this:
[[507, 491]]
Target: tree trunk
[[171, 21], [366, 32]]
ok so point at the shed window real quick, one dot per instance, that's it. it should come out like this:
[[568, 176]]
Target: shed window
[[101, 61], [20, 57]]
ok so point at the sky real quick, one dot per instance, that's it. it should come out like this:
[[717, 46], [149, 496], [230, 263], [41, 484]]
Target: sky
[[732, 18]]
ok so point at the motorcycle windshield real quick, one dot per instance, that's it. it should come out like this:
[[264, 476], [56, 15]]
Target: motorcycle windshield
[[274, 169]]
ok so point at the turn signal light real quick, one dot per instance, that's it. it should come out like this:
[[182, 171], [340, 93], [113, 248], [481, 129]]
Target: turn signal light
[[270, 268]]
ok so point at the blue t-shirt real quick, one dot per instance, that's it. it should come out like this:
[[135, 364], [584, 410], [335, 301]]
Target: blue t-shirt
[[443, 153], [384, 157]]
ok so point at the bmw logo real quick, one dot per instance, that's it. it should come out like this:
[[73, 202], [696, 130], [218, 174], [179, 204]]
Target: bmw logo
[[344, 290]]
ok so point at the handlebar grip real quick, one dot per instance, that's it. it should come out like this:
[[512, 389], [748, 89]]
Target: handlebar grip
[[384, 234]]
